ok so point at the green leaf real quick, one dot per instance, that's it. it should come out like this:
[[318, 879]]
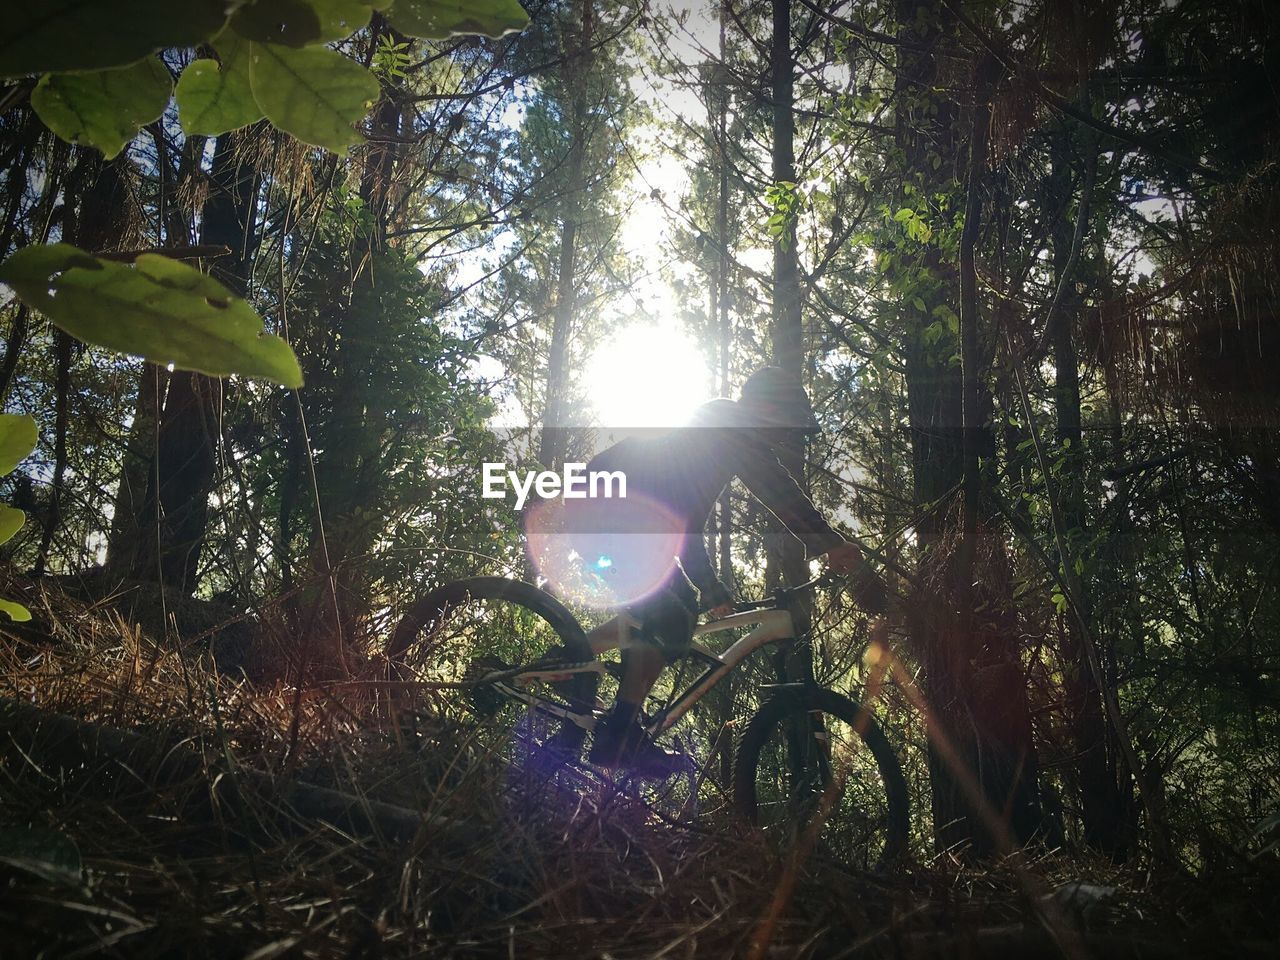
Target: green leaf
[[11, 521], [18, 436], [314, 93], [43, 35], [297, 23], [160, 309], [437, 19], [16, 611], [214, 98], [106, 108]]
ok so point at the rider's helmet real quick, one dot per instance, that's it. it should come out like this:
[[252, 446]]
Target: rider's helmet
[[775, 398]]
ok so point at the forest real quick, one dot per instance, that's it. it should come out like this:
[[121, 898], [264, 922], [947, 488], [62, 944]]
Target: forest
[[303, 300]]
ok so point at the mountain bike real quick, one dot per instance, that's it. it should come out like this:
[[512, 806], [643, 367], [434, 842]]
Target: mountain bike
[[507, 654]]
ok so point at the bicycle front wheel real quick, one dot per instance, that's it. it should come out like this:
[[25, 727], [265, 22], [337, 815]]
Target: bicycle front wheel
[[468, 628], [813, 766]]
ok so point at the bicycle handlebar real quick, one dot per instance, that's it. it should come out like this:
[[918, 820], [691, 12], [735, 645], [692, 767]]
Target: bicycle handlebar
[[780, 596]]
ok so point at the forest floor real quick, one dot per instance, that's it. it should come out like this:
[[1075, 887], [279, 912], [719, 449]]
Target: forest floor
[[133, 854]]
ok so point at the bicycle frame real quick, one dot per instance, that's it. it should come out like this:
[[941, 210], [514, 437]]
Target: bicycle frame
[[772, 625]]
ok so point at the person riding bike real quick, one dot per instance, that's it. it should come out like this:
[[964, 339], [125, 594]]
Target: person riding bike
[[683, 472]]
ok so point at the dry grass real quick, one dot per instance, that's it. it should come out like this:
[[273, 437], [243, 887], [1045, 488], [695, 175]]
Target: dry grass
[[499, 867]]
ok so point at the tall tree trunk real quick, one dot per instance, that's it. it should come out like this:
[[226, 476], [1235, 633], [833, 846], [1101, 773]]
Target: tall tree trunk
[[934, 402], [94, 211], [334, 605], [972, 676], [17, 164], [169, 531], [128, 509], [61, 413], [720, 315], [1103, 812], [724, 263], [787, 329], [1008, 768], [552, 445]]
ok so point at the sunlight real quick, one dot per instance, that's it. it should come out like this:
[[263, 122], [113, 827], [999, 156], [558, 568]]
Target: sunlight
[[646, 376]]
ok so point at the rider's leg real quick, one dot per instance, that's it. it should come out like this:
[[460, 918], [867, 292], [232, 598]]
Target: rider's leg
[[642, 663], [641, 667], [608, 636], [666, 620]]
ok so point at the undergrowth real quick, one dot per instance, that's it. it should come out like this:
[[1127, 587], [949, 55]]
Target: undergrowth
[[116, 865]]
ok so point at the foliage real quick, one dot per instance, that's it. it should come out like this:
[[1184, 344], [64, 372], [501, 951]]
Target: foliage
[[18, 437], [437, 19], [313, 93], [216, 96], [103, 108], [1125, 448], [159, 309], [69, 35]]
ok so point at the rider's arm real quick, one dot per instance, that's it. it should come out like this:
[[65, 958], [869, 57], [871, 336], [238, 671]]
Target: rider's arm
[[772, 484], [697, 566]]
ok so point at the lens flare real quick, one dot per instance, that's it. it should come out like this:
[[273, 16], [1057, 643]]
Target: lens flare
[[604, 553]]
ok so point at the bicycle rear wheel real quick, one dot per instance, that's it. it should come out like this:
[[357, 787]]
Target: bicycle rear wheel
[[464, 629], [812, 759]]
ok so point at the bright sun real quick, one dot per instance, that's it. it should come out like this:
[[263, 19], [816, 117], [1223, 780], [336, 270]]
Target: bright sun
[[647, 376]]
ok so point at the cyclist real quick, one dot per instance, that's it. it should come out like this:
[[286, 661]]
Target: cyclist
[[684, 470]]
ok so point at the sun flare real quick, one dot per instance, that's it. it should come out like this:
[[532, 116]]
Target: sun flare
[[646, 376]]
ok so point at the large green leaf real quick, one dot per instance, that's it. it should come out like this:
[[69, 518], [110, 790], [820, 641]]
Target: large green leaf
[[160, 309], [436, 19], [18, 436], [296, 23], [42, 35], [216, 97], [11, 521], [15, 611], [314, 93], [106, 108]]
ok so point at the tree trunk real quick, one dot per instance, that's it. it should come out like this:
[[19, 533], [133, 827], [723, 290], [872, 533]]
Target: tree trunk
[[720, 298], [332, 607], [1102, 810], [169, 531], [94, 225], [135, 470], [984, 777], [553, 444], [787, 329]]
